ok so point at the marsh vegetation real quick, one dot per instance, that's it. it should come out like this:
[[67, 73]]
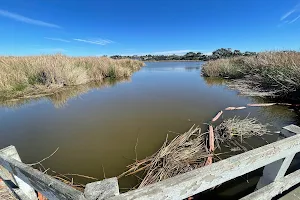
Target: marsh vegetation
[[276, 71], [40, 75]]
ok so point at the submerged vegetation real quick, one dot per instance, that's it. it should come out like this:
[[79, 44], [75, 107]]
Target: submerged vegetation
[[29, 75], [277, 71]]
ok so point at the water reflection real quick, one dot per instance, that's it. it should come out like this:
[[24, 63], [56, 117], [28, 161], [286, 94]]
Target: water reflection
[[192, 68], [60, 98], [213, 81]]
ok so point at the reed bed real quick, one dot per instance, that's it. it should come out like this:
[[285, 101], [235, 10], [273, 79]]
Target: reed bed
[[279, 70], [190, 150], [35, 74]]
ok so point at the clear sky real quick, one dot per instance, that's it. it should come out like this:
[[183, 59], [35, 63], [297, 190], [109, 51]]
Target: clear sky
[[108, 27]]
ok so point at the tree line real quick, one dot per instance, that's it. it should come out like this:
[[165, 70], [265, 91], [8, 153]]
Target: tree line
[[219, 53]]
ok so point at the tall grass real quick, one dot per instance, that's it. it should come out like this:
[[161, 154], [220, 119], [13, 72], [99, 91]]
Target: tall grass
[[21, 74], [279, 69]]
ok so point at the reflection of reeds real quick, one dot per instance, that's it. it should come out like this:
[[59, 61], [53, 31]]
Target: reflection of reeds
[[59, 97], [212, 81], [192, 68], [32, 75]]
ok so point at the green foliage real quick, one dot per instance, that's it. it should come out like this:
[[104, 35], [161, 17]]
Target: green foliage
[[112, 73], [217, 54], [19, 87], [35, 79]]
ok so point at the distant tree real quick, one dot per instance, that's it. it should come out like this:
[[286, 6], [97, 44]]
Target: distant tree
[[249, 53], [222, 53], [237, 53], [116, 57], [219, 53]]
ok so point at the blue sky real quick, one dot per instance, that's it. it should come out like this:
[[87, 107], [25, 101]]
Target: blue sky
[[108, 27]]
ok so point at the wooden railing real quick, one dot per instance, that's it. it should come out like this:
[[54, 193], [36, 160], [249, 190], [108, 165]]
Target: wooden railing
[[276, 158]]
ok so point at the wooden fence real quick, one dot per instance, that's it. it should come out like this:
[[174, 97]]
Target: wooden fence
[[276, 158]]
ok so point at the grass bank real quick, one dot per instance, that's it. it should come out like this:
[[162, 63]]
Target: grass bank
[[277, 71], [26, 75]]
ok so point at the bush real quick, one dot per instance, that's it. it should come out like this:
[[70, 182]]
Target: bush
[[279, 69]]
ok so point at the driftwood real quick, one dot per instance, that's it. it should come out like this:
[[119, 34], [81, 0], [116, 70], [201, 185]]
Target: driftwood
[[217, 116]]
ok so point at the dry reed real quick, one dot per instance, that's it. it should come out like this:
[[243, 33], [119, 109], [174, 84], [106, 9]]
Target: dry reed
[[36, 74], [190, 151], [241, 128], [279, 70], [184, 153]]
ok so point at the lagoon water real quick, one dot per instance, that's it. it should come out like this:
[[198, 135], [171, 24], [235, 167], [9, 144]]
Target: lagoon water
[[97, 127]]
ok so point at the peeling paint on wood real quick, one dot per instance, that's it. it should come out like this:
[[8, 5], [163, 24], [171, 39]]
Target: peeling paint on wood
[[48, 186], [275, 188]]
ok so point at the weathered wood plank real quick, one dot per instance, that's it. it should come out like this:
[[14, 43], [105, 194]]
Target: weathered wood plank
[[274, 171], [196, 181], [275, 188], [48, 186], [292, 195], [102, 189], [24, 188], [290, 130]]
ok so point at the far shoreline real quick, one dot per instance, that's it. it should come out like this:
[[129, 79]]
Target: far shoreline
[[173, 61]]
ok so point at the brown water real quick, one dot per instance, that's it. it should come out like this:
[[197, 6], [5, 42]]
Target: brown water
[[96, 126]]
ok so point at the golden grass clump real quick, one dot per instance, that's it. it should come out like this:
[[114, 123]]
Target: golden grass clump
[[190, 151], [223, 68], [241, 128], [278, 70], [21, 74], [184, 153]]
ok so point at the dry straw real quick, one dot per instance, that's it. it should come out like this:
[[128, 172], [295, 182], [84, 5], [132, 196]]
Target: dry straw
[[191, 150], [277, 70], [35, 74]]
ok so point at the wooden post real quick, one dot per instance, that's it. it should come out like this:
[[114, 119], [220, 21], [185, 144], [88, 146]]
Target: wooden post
[[50, 187], [277, 170], [25, 189], [100, 190], [274, 171], [275, 188]]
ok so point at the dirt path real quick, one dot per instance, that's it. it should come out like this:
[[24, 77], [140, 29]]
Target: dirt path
[[5, 193]]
